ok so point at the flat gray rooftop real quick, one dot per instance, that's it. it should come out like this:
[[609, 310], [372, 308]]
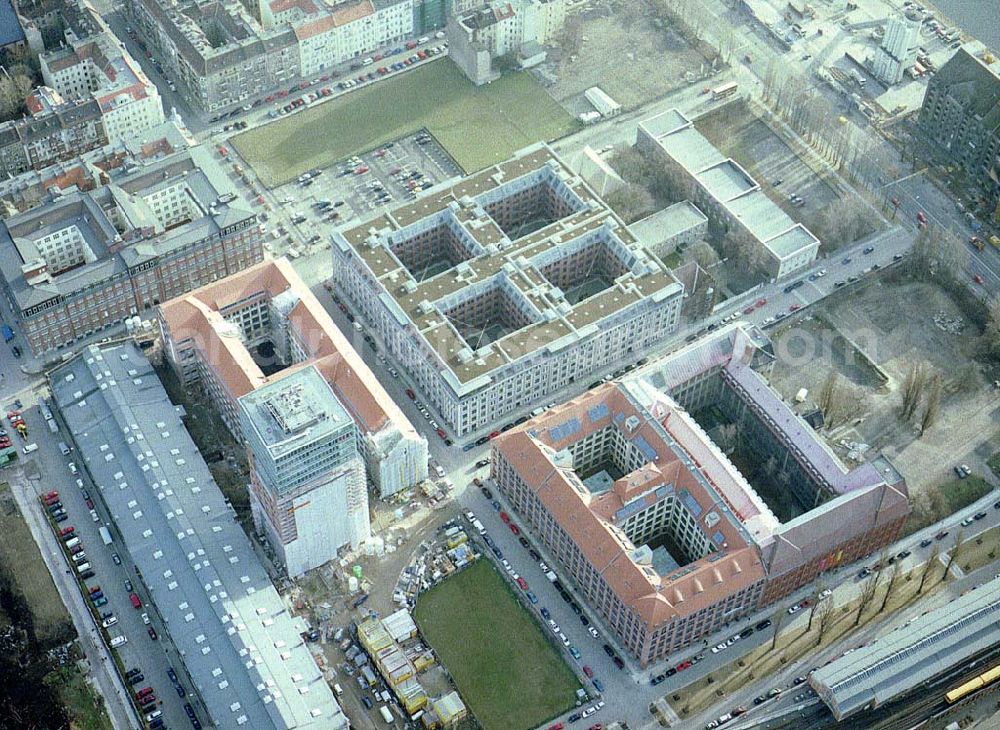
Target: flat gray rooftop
[[667, 223], [295, 410], [909, 656], [239, 642]]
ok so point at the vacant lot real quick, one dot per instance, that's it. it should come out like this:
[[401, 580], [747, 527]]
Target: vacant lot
[[19, 554], [504, 668], [624, 53], [900, 324], [478, 126]]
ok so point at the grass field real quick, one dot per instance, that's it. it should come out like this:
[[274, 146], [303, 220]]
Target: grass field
[[19, 553], [961, 493], [84, 705], [478, 126], [506, 671]]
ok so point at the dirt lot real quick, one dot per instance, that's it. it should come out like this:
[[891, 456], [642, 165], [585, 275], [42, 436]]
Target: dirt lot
[[898, 324], [624, 53]]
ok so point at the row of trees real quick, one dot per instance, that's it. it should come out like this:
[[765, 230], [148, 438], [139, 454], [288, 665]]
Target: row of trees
[[19, 74]]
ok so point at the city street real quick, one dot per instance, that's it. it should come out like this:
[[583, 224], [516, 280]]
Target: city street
[[152, 657]]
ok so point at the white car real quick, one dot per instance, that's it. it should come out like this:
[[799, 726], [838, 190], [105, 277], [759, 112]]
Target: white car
[[593, 632], [544, 567], [118, 641], [825, 593], [145, 619], [588, 712], [110, 621], [717, 649], [795, 609]]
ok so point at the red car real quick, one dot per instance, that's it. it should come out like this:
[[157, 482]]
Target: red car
[[67, 531], [760, 303], [596, 726], [505, 517], [921, 216], [48, 501], [11, 415], [410, 394], [144, 691], [749, 310], [683, 665], [522, 584], [136, 603], [494, 434], [794, 307], [148, 699], [588, 671], [441, 433], [557, 726], [361, 170], [978, 279], [47, 495], [152, 632], [514, 528]]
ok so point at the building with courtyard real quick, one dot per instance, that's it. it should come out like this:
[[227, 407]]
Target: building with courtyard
[[690, 494], [502, 288]]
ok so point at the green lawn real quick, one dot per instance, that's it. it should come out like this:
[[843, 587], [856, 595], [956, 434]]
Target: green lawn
[[960, 493], [478, 126], [505, 669], [83, 704], [994, 463]]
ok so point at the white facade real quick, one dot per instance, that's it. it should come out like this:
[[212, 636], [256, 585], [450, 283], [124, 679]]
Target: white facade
[[898, 51], [351, 33]]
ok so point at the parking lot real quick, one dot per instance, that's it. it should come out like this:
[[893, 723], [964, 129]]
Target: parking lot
[[354, 189], [113, 578]]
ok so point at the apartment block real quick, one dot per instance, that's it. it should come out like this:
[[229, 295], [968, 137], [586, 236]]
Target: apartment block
[[898, 50], [211, 335], [93, 66], [307, 479], [733, 201], [961, 113], [81, 262], [659, 527], [221, 55], [502, 288], [480, 33]]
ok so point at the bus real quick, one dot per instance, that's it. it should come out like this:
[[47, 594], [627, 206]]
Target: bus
[[724, 91], [105, 534]]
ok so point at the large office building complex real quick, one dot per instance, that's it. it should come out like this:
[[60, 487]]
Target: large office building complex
[[504, 287], [733, 201], [668, 535], [221, 54], [307, 479], [211, 336], [961, 113], [240, 646], [81, 262]]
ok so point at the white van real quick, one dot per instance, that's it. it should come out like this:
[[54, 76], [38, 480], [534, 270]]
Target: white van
[[338, 689], [72, 543], [29, 448], [82, 567], [72, 468], [118, 641]]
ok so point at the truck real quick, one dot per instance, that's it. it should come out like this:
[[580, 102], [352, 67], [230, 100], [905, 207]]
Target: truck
[[8, 333], [105, 534], [386, 714], [603, 103], [551, 576]]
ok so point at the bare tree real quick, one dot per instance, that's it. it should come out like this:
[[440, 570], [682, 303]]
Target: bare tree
[[953, 554], [868, 589], [827, 392], [824, 619], [991, 335], [631, 202], [932, 407], [928, 568], [913, 388], [779, 618], [815, 604], [890, 584]]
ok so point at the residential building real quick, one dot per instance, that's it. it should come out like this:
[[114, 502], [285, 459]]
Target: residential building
[[237, 644], [898, 50], [94, 66], [307, 478], [497, 290], [655, 524], [961, 113], [487, 31], [221, 55], [86, 168], [210, 335], [11, 30], [55, 131], [83, 261], [733, 201]]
